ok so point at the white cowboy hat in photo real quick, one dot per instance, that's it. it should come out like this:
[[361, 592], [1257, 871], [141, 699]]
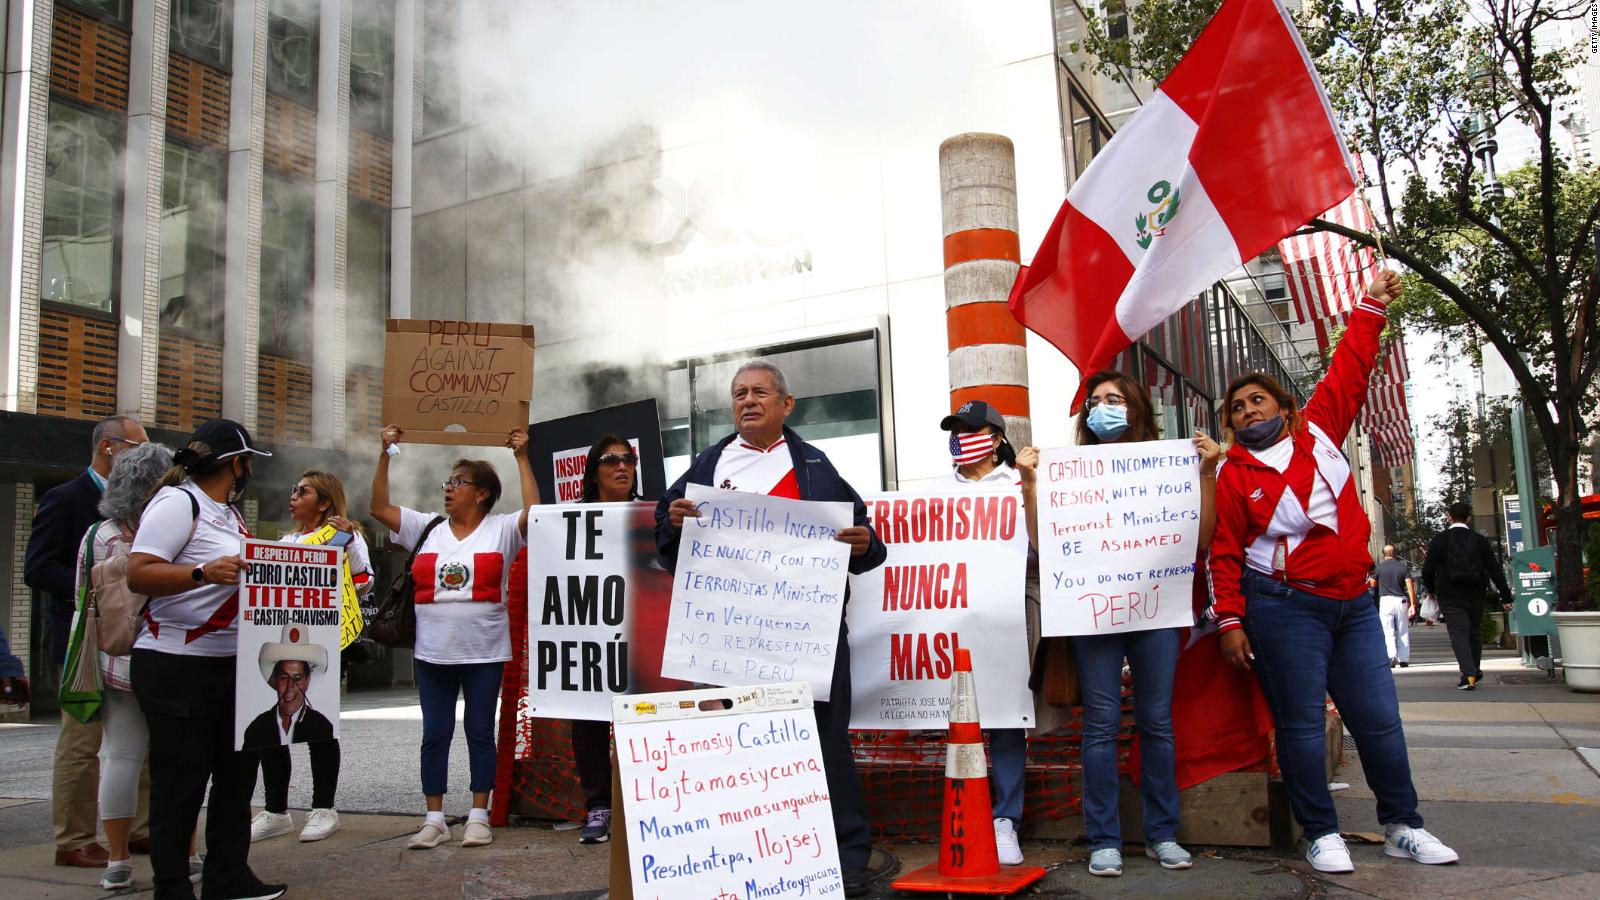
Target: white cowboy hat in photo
[[296, 645]]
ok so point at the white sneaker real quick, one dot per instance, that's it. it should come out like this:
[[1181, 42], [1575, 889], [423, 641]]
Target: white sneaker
[[1005, 842], [1416, 843], [429, 837], [320, 824], [1329, 854], [270, 825], [477, 834]]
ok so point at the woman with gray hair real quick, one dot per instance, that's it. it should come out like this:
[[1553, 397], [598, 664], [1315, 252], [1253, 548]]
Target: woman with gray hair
[[135, 475]]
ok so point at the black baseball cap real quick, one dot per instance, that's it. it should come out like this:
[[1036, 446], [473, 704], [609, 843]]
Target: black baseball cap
[[217, 439], [974, 414]]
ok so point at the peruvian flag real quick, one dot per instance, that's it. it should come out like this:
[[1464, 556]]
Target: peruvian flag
[[1237, 148]]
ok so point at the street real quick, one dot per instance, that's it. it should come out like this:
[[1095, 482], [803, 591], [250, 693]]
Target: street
[[1500, 772]]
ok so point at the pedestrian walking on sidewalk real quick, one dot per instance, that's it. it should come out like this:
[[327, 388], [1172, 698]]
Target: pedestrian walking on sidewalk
[[1459, 569], [1397, 603], [1289, 569]]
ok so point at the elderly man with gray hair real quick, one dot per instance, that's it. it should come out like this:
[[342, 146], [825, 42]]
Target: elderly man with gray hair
[[63, 515], [763, 456]]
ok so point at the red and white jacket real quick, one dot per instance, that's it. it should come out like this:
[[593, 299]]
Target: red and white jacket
[[1261, 512]]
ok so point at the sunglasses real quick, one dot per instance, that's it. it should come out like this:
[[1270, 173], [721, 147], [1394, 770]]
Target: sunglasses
[[300, 490], [611, 459], [1109, 400]]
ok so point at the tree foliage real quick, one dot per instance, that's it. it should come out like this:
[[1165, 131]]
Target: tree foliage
[[1421, 89]]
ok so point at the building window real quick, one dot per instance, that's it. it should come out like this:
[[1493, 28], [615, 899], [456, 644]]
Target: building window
[[372, 67], [1089, 131], [366, 284], [285, 311], [111, 9], [78, 255], [1116, 16], [292, 48], [441, 69], [836, 386], [191, 242], [201, 29]]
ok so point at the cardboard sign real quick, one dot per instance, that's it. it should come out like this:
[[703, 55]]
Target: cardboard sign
[[955, 577], [565, 443], [1118, 532], [759, 591], [286, 687], [597, 608], [449, 382], [725, 795]]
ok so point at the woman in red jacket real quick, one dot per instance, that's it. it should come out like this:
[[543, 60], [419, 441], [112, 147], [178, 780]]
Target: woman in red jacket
[[1289, 567]]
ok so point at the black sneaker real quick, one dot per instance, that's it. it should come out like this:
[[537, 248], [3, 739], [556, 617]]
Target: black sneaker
[[1405, 665], [1467, 683], [857, 883], [258, 891], [596, 826]]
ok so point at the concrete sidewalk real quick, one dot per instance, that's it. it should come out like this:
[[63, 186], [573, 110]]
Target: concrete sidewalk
[[1499, 771]]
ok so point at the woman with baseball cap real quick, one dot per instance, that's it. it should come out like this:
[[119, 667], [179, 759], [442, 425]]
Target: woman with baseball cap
[[185, 558]]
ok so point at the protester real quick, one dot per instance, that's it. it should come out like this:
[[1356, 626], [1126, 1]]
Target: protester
[[1397, 603], [63, 515], [1289, 565], [134, 477], [317, 504], [764, 456], [1459, 568], [185, 558], [463, 632], [610, 475], [982, 457], [1117, 409]]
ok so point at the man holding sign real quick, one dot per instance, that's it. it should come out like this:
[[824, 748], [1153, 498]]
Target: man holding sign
[[764, 457]]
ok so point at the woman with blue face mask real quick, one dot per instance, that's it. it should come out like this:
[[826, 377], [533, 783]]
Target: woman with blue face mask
[[1117, 409]]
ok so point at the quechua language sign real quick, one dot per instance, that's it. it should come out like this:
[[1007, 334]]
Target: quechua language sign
[[1119, 527], [955, 577], [453, 382]]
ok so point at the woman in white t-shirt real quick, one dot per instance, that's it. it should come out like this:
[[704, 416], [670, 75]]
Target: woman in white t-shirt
[[317, 504], [463, 632], [185, 558]]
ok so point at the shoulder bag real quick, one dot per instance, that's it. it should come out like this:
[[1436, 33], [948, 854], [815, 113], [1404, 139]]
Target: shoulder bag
[[395, 622]]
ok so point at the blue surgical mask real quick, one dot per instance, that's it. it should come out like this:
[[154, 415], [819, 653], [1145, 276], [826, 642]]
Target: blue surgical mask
[[1108, 422], [1262, 434]]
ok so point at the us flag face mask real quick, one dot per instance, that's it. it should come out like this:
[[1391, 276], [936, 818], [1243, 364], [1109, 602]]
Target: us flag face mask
[[971, 447]]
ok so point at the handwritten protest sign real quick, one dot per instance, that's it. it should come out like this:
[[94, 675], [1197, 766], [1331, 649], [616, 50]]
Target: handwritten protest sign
[[955, 577], [597, 610], [724, 794], [1118, 527], [759, 591], [286, 687], [449, 382]]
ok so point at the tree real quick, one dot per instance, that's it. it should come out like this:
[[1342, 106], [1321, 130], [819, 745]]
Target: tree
[[1420, 89]]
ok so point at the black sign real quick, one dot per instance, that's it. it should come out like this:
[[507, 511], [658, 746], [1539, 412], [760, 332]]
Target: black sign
[[559, 449]]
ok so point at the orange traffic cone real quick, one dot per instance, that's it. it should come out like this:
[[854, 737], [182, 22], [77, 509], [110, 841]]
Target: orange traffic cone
[[968, 862]]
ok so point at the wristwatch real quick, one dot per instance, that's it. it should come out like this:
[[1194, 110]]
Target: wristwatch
[[198, 573]]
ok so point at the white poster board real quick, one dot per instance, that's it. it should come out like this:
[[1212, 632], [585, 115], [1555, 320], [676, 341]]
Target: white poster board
[[1118, 536], [955, 577], [724, 794], [286, 685], [758, 592], [597, 608]]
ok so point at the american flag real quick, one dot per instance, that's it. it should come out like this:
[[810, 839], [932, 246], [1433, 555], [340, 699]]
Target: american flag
[[1326, 275], [971, 447]]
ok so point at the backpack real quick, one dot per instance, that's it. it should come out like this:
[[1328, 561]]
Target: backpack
[[117, 608], [1463, 559]]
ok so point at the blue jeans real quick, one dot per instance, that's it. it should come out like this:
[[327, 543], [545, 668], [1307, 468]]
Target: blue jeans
[[1307, 647], [437, 688], [1153, 657], [1008, 754]]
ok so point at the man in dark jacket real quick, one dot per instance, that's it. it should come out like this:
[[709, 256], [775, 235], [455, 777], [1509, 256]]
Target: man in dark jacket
[[765, 457], [1458, 570], [59, 523]]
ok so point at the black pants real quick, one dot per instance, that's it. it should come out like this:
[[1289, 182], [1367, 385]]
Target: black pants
[[1464, 620], [839, 764], [324, 775], [188, 705], [591, 752]]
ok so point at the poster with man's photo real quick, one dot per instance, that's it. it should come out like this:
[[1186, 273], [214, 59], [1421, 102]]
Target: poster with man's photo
[[287, 675]]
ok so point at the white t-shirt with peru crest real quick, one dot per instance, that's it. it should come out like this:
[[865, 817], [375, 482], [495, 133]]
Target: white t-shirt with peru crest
[[461, 587]]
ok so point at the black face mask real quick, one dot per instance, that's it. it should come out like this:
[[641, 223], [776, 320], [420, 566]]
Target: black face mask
[[1262, 434], [240, 479]]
